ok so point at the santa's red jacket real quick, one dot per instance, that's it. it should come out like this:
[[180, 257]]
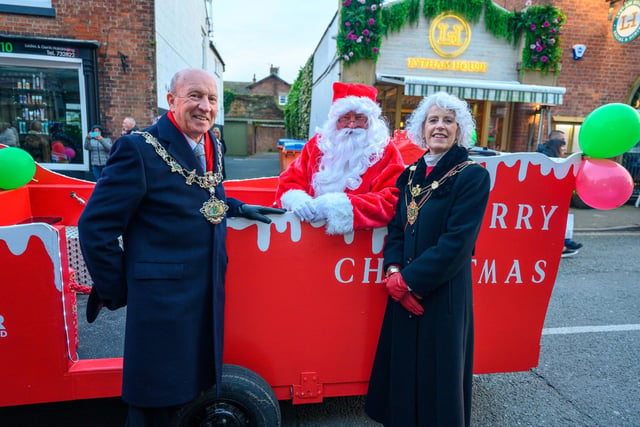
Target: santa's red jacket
[[370, 205]]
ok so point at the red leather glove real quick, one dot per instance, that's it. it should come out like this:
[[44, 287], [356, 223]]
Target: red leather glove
[[396, 286], [410, 302]]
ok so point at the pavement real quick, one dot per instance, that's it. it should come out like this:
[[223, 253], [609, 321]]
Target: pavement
[[624, 218]]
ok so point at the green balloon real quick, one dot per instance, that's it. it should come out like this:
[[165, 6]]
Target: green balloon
[[474, 138], [17, 168], [609, 130]]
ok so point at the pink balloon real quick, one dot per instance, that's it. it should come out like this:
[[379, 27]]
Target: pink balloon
[[70, 152], [603, 183]]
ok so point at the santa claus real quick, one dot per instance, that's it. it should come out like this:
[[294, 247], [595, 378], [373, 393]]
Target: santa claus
[[346, 173]]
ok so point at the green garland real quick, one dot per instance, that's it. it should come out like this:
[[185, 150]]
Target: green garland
[[471, 9], [541, 26], [297, 111], [228, 97]]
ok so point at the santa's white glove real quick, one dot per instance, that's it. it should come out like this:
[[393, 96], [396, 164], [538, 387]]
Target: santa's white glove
[[306, 210], [321, 208], [300, 203]]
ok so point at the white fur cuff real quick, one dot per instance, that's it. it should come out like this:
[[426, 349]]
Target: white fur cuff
[[294, 198], [337, 208]]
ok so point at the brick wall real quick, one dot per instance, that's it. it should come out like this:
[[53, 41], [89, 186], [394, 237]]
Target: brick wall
[[271, 85], [608, 69], [118, 25], [607, 73]]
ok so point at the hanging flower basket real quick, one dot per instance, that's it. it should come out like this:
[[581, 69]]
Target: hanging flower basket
[[542, 29]]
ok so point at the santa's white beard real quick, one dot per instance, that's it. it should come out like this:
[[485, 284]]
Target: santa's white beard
[[347, 155]]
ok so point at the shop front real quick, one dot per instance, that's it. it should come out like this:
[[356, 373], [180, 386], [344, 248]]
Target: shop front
[[449, 53], [48, 93], [512, 106], [492, 103]]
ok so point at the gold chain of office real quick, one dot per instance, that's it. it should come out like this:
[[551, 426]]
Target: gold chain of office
[[212, 209], [413, 208]]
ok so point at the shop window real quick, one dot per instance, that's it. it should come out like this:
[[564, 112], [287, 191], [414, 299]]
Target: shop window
[[635, 99], [571, 128], [491, 118], [44, 105]]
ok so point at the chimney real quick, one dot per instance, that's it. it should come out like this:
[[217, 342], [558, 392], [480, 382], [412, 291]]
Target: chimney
[[274, 70]]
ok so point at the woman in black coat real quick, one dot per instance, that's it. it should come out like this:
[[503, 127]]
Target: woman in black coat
[[423, 368]]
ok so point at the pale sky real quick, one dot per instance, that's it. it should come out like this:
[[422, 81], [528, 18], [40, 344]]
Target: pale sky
[[251, 35]]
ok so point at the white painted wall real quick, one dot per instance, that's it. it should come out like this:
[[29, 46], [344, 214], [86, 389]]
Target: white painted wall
[[326, 71], [182, 42], [413, 41]]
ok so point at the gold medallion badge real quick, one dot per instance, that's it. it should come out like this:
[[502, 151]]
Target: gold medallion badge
[[412, 212], [214, 210]]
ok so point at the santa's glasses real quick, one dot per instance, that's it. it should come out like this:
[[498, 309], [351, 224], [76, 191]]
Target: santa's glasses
[[358, 119]]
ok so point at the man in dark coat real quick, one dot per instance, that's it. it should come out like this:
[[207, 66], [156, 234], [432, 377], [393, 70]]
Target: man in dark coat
[[170, 267], [423, 368]]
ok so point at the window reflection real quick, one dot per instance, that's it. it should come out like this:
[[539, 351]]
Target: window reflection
[[43, 105]]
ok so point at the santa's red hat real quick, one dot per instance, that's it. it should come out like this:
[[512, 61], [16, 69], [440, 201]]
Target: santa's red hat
[[354, 97], [342, 90]]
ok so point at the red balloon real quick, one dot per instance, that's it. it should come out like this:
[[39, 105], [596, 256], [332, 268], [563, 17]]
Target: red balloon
[[57, 147], [603, 183]]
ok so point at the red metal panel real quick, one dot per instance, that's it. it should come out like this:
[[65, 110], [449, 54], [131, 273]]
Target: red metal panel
[[303, 308]]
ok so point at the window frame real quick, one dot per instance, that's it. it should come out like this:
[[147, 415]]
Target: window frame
[[74, 64], [28, 7]]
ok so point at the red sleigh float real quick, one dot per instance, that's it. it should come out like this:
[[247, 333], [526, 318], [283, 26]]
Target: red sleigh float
[[318, 300]]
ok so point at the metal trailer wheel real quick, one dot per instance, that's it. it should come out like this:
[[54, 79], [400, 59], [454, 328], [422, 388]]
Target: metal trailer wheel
[[246, 399]]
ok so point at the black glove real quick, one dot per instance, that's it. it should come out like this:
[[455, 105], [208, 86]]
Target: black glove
[[257, 212], [95, 304]]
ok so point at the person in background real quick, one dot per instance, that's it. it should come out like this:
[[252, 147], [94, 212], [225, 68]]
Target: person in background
[[346, 173], [161, 190], [128, 125], [9, 135], [218, 135], [423, 367], [37, 144], [556, 146], [99, 148]]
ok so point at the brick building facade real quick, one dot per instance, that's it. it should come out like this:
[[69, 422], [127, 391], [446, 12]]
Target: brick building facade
[[254, 122], [99, 61], [608, 72], [512, 112], [123, 34]]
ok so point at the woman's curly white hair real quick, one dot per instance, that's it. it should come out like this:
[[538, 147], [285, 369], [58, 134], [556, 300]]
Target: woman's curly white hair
[[446, 101]]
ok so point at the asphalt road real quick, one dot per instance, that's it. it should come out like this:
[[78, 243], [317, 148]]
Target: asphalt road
[[588, 373], [589, 370]]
